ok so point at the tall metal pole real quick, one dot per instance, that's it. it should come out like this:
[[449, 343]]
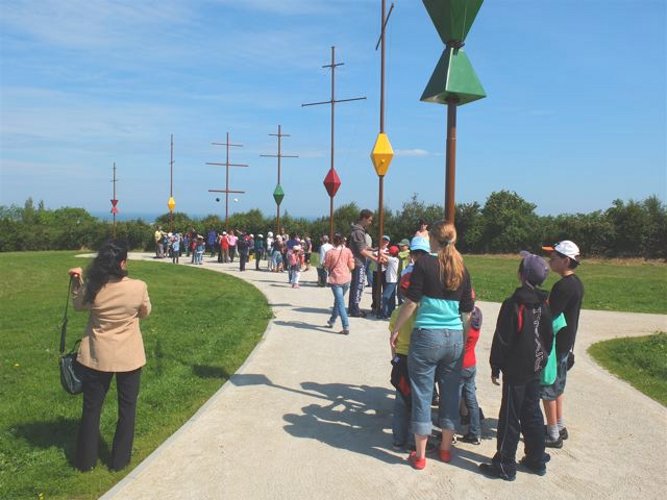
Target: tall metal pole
[[278, 193], [332, 181], [382, 153], [377, 299], [333, 110], [114, 201], [450, 169], [171, 183], [454, 81], [227, 145]]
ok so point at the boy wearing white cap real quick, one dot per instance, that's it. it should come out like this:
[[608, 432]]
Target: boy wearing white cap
[[565, 297]]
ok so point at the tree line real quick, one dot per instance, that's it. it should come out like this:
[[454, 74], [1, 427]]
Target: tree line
[[505, 223]]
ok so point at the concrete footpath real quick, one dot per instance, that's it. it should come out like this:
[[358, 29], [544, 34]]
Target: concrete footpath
[[308, 416]]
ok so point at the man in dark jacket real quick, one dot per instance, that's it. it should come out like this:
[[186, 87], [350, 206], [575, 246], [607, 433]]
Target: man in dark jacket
[[521, 345]]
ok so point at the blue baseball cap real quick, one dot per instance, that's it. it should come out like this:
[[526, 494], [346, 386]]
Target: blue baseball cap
[[420, 243]]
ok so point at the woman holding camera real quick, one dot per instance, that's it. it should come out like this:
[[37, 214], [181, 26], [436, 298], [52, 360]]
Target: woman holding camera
[[112, 344]]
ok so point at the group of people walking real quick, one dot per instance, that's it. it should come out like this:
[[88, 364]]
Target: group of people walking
[[431, 329]]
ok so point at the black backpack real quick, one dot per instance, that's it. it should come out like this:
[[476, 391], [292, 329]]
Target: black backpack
[[533, 322]]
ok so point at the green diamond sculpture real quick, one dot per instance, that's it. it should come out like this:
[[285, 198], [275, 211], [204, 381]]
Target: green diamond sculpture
[[452, 18], [453, 78], [278, 194]]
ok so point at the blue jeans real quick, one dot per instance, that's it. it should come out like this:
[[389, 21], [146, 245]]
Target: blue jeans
[[469, 395], [401, 421], [435, 354], [356, 289], [339, 292], [388, 299]]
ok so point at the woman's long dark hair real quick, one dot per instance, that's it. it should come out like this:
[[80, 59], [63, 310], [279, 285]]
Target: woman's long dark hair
[[105, 267]]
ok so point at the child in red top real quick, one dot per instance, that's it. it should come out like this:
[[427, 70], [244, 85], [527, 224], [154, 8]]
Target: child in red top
[[467, 385]]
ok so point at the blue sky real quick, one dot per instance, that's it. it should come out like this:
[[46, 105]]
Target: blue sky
[[575, 114]]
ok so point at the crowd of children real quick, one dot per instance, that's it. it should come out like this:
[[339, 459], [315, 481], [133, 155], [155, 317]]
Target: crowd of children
[[524, 351]]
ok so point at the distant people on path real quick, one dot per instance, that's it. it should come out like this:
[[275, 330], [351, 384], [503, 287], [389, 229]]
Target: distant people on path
[[521, 345], [159, 247], [339, 262], [112, 344], [440, 287], [200, 248], [259, 250], [361, 252], [232, 239], [307, 245], [243, 247], [391, 282], [322, 272], [378, 285], [565, 297], [175, 248], [295, 261], [211, 240]]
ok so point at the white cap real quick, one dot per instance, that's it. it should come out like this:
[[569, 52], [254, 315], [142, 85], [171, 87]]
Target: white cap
[[565, 247]]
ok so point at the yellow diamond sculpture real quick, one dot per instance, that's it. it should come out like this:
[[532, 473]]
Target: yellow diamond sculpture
[[382, 154], [171, 204]]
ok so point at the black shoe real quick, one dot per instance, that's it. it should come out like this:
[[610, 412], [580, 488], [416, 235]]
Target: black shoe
[[556, 443], [563, 433], [360, 314], [536, 468], [493, 472], [470, 438]]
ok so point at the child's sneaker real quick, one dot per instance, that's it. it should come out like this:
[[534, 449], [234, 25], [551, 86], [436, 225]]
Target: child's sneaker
[[470, 438], [553, 443]]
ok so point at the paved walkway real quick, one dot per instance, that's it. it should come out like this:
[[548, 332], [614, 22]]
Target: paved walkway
[[308, 416]]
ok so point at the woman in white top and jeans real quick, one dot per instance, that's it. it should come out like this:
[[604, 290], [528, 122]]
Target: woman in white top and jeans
[[339, 261]]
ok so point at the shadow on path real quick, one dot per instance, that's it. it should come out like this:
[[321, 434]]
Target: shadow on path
[[354, 419]]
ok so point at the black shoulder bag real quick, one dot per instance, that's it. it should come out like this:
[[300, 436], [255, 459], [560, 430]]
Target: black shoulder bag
[[70, 370]]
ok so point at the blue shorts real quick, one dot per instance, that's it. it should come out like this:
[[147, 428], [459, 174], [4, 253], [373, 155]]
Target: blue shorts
[[551, 392]]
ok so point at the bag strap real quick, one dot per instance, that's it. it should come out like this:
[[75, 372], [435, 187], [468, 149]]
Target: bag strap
[[63, 328]]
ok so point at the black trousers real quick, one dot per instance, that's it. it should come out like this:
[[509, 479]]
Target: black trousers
[[520, 413], [95, 387]]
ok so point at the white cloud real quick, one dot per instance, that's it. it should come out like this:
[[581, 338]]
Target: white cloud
[[412, 152]]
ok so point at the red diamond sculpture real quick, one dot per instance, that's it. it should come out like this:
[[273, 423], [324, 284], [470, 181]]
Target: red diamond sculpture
[[332, 182]]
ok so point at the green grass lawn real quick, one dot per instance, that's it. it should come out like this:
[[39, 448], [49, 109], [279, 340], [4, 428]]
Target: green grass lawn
[[203, 326], [642, 361]]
